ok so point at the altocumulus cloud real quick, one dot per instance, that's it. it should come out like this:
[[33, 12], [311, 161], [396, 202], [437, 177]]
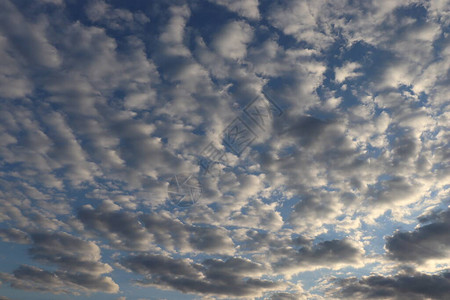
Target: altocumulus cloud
[[343, 193]]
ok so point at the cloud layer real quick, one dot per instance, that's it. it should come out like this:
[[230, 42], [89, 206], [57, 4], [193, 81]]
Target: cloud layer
[[339, 188]]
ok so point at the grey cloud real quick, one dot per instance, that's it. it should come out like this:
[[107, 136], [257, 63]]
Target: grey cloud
[[211, 240], [257, 214], [52, 141], [212, 277], [141, 232], [393, 190], [78, 262], [104, 105], [162, 265], [328, 254], [29, 40], [308, 147], [14, 235], [58, 282], [246, 8], [286, 296], [119, 19], [252, 240], [68, 252], [429, 241], [166, 230], [122, 229], [413, 286], [23, 44], [233, 265], [294, 254]]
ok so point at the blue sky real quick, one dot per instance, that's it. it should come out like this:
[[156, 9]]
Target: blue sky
[[224, 149]]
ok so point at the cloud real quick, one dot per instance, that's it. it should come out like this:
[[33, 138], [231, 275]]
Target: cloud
[[172, 36], [24, 35], [35, 279], [211, 240], [231, 41], [328, 254], [103, 102], [286, 296], [347, 71], [302, 20], [68, 252], [14, 235], [143, 232], [211, 277], [253, 240], [427, 242], [398, 287], [247, 8], [17, 37], [256, 214], [158, 264], [121, 228], [115, 18], [77, 260]]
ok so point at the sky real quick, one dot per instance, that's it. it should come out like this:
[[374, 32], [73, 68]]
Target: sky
[[224, 149]]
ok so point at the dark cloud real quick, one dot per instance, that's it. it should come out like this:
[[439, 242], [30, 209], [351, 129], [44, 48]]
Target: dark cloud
[[58, 282], [167, 230], [292, 254], [328, 254], [119, 19], [211, 240], [162, 265], [212, 276], [68, 253], [429, 241], [261, 241], [413, 286], [285, 296], [14, 235], [141, 232], [121, 228], [246, 8], [78, 262]]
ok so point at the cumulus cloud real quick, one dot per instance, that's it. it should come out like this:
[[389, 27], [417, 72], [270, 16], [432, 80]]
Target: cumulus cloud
[[17, 37], [328, 254], [231, 41], [212, 276], [14, 235], [35, 279], [115, 18], [428, 241], [68, 252], [302, 20], [247, 8], [347, 71], [401, 286], [78, 263], [143, 232]]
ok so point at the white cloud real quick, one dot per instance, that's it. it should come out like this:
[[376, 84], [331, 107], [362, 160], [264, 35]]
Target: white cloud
[[231, 41], [247, 8], [347, 71]]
